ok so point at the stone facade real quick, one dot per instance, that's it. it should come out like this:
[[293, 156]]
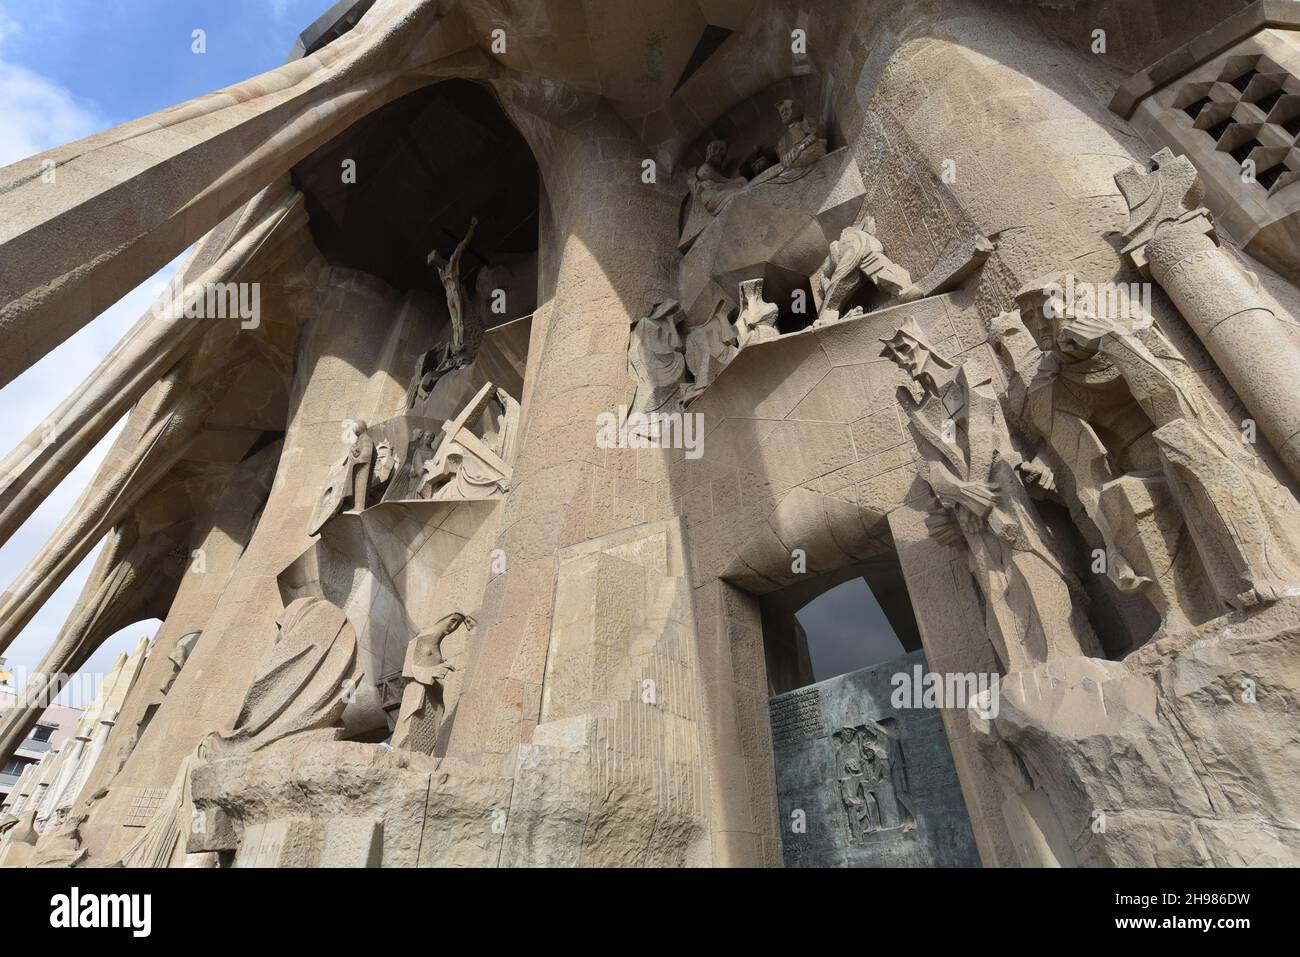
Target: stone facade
[[468, 537]]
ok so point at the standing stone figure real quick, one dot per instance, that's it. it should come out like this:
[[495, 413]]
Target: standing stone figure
[[856, 258], [654, 356], [1033, 606], [757, 320], [873, 786], [449, 273], [711, 187], [423, 707], [349, 479], [1188, 515]]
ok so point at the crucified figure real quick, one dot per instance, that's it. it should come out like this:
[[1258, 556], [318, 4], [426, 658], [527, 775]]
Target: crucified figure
[[449, 273]]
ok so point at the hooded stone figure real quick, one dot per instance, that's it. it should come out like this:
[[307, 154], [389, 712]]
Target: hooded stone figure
[[301, 688], [656, 359], [349, 479]]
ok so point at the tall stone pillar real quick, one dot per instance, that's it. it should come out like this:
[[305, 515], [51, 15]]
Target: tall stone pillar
[[1172, 240]]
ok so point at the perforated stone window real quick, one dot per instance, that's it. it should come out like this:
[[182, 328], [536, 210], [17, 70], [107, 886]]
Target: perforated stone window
[[1229, 100], [1251, 111]]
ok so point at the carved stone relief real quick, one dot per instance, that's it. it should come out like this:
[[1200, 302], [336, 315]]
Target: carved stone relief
[[872, 780]]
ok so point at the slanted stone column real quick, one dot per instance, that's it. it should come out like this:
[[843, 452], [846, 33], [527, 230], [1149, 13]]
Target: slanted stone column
[[160, 339], [83, 224], [1173, 241]]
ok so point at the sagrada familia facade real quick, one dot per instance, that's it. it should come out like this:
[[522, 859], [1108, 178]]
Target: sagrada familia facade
[[534, 363]]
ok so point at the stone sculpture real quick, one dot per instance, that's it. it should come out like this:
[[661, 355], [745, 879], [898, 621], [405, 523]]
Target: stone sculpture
[[1034, 606], [429, 368], [425, 670], [800, 145], [349, 480], [467, 466], [180, 654], [302, 686], [872, 783], [757, 320], [449, 274], [712, 188], [656, 360], [1151, 465], [709, 348], [855, 259]]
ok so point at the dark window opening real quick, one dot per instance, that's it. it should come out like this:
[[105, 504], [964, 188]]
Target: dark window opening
[[1270, 176], [837, 623], [1218, 129], [1242, 152], [1243, 81], [42, 732], [1270, 101]]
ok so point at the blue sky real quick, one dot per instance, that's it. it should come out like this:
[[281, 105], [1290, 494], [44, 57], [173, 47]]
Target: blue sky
[[70, 68]]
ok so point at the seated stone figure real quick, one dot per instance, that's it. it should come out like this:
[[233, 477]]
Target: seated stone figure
[[709, 348], [302, 686], [1189, 516], [656, 359], [711, 187], [800, 146]]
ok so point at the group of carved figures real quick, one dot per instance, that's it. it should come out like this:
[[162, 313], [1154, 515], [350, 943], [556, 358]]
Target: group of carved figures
[[872, 780], [1118, 429], [662, 351], [799, 148]]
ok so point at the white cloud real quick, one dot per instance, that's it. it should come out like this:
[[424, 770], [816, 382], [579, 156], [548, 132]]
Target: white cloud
[[38, 113]]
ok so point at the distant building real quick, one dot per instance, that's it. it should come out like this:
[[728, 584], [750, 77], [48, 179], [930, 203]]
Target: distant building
[[55, 726]]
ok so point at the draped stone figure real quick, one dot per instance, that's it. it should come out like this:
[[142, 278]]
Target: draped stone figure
[[348, 480], [1188, 514], [449, 274], [757, 320], [302, 686], [800, 145], [654, 356], [425, 669], [711, 187], [1034, 606], [857, 258], [709, 348]]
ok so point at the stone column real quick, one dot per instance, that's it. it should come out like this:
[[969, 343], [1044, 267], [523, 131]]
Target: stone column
[[160, 339], [1171, 238], [618, 239], [1258, 352], [83, 224]]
